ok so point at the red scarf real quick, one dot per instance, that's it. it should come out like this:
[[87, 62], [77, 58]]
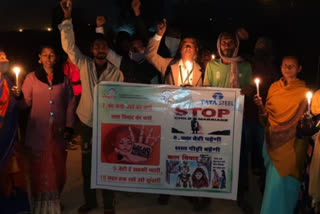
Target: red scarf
[[4, 100]]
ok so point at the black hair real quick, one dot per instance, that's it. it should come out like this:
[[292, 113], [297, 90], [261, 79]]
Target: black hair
[[48, 46], [98, 37], [292, 56]]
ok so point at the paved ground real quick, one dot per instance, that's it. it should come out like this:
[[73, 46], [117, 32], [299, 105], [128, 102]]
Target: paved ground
[[133, 203]]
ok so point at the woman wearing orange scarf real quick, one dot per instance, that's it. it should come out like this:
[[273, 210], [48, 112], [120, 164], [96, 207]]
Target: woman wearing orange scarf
[[283, 152]]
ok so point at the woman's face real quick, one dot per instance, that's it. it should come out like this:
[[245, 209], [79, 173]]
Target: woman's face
[[125, 145], [48, 58], [198, 175], [290, 68]]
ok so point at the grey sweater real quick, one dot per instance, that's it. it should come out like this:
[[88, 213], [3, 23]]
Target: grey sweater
[[88, 74]]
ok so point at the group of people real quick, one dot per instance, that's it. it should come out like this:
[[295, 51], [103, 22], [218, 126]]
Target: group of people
[[275, 123]]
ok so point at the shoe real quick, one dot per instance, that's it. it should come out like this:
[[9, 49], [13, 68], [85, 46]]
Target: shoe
[[163, 199], [109, 211], [85, 209]]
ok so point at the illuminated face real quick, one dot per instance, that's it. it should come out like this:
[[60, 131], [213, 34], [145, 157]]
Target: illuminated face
[[189, 49], [3, 57], [198, 175], [100, 49], [290, 68], [125, 145], [48, 58], [228, 46]]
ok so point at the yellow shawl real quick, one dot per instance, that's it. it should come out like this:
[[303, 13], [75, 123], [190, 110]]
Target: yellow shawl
[[285, 106]]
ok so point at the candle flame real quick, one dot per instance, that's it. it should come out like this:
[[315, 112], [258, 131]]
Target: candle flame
[[213, 56], [257, 81], [16, 70], [309, 95]]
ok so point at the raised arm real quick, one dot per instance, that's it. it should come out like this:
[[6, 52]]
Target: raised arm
[[140, 25], [67, 35], [151, 54]]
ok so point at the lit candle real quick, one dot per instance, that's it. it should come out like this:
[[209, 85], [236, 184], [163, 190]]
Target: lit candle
[[213, 56], [309, 97], [257, 81], [17, 70]]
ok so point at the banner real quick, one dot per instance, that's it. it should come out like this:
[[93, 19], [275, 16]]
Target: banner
[[167, 139]]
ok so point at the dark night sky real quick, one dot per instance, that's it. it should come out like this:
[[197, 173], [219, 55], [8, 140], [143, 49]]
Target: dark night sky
[[290, 23], [36, 14]]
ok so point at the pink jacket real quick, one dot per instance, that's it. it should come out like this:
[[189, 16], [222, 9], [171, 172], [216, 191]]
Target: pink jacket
[[56, 102]]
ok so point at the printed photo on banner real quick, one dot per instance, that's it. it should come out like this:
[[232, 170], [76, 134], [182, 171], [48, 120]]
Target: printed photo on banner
[[130, 144], [191, 172]]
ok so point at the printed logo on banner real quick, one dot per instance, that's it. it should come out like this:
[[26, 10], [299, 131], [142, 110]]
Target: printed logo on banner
[[110, 93], [218, 96], [217, 99]]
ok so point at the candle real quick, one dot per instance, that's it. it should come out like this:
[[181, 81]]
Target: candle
[[17, 70], [257, 81], [213, 56], [309, 97]]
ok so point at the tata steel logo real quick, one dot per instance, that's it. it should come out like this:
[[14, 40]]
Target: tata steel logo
[[217, 99], [218, 96], [110, 93]]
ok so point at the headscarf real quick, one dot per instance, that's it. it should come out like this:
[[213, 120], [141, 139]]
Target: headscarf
[[234, 73]]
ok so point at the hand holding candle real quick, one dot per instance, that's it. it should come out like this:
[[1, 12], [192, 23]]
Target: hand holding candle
[[257, 81], [309, 97], [17, 70]]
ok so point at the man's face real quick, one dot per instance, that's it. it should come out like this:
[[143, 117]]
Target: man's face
[[189, 49], [100, 49], [137, 46], [228, 46]]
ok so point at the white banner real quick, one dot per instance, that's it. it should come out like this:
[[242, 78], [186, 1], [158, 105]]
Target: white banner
[[167, 139]]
